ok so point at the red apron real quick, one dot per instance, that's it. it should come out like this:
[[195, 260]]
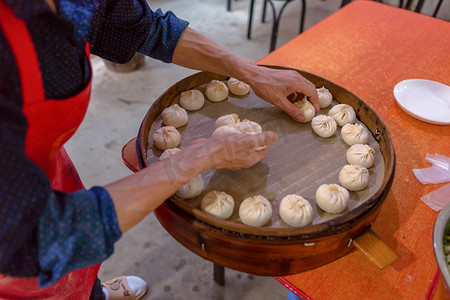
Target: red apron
[[50, 124]]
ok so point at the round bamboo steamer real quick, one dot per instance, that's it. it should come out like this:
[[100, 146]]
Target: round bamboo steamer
[[275, 249]]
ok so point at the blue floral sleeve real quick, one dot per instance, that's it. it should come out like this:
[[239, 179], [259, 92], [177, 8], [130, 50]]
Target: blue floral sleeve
[[122, 28]]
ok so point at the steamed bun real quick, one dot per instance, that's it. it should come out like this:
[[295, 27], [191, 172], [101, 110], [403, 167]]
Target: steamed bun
[[354, 177], [354, 134], [192, 189], [192, 100], [237, 87], [168, 153], [343, 114], [332, 198], [247, 126], [325, 97], [229, 119], [255, 211], [166, 137], [216, 91], [360, 154], [175, 116], [324, 126], [218, 203], [296, 211], [225, 130], [307, 108]]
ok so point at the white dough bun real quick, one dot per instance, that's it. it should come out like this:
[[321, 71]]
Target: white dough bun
[[225, 130], [332, 198], [255, 211], [229, 119], [324, 126], [238, 87], [168, 153], [353, 134], [307, 109], [192, 100], [175, 116], [247, 126], [360, 154], [325, 97], [354, 177], [166, 137], [296, 211], [343, 114], [191, 189], [218, 203], [216, 91], [250, 127]]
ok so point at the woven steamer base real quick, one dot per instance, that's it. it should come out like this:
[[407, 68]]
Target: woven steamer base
[[299, 162]]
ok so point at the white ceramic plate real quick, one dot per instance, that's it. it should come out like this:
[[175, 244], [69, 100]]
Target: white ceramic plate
[[425, 100]]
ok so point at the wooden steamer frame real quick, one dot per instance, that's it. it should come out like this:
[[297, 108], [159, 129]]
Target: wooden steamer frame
[[275, 251]]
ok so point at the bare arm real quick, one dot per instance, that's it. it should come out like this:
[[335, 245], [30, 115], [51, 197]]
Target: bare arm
[[195, 51], [137, 195]]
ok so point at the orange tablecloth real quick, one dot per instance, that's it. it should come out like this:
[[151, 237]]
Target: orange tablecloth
[[368, 47]]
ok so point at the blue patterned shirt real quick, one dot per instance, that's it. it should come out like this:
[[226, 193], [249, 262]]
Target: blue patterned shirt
[[81, 227]]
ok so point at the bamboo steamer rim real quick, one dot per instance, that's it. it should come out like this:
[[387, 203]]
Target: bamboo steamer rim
[[324, 229]]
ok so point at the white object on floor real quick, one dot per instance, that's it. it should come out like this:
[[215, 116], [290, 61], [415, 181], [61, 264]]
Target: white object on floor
[[425, 100], [137, 286], [437, 199], [106, 293]]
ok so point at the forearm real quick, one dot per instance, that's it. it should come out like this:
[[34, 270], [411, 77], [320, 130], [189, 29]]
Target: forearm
[[139, 194], [196, 51]]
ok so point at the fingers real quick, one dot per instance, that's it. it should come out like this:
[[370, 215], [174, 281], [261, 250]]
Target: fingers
[[268, 137], [310, 91], [313, 98], [258, 141], [252, 148], [292, 110], [302, 88]]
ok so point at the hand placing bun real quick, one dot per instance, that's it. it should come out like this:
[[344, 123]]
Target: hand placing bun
[[233, 151]]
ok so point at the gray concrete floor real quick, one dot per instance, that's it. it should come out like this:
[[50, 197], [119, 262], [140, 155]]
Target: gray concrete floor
[[119, 103]]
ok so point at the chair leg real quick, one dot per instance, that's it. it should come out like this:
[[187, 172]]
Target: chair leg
[[228, 5], [276, 22], [219, 274], [345, 2], [302, 17], [419, 6], [437, 8], [250, 19], [408, 4], [263, 17]]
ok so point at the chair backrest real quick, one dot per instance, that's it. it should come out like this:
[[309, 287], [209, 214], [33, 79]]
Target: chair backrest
[[419, 6], [409, 4]]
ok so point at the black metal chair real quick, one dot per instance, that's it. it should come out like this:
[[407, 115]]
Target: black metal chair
[[408, 5], [419, 5], [276, 19], [228, 5]]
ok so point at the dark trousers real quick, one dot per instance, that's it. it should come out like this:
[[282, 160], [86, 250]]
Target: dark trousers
[[97, 292]]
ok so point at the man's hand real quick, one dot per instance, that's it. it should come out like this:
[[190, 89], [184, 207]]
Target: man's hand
[[231, 151], [275, 85]]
